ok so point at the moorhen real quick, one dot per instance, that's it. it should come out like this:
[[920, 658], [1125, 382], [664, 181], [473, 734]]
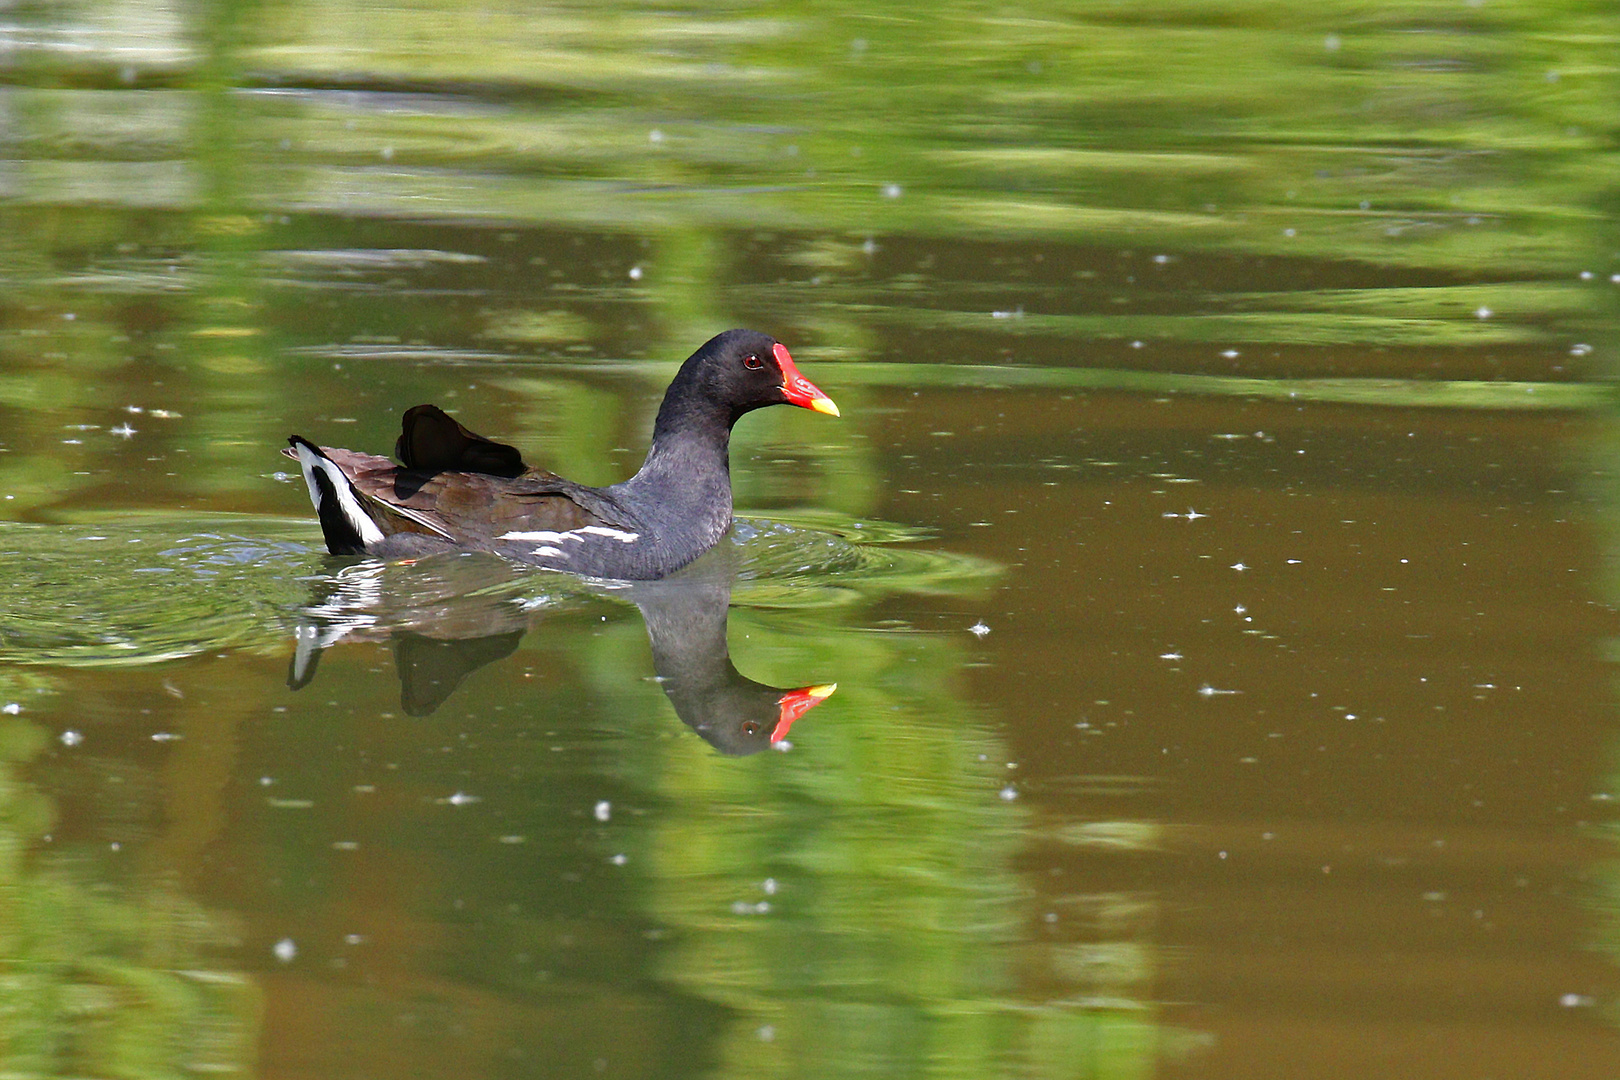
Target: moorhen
[[455, 490]]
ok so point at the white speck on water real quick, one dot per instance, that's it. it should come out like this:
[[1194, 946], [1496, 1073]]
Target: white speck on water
[[892, 191], [266, 781], [767, 1033], [978, 629], [1288, 232], [513, 839], [768, 886], [1009, 793], [1483, 312], [1240, 609], [1231, 354], [1332, 43], [11, 708], [1239, 567], [604, 810], [1015, 313], [71, 738], [285, 950], [164, 736], [635, 273], [781, 746], [1208, 691], [1580, 350], [620, 860], [354, 939], [461, 798], [135, 410], [1575, 1001], [655, 136], [1170, 656], [869, 246], [1161, 259]]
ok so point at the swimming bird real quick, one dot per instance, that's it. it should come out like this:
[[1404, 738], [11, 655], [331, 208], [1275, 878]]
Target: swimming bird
[[457, 490]]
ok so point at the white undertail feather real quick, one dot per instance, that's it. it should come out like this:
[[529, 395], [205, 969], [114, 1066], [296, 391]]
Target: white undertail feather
[[348, 502]]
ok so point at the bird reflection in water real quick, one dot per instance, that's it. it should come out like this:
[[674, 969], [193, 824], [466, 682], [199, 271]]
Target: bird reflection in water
[[448, 616]]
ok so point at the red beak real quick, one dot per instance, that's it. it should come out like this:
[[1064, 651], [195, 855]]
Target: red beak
[[800, 391], [795, 703]]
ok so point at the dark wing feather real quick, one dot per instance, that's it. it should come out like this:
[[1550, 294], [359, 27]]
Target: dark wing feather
[[431, 441]]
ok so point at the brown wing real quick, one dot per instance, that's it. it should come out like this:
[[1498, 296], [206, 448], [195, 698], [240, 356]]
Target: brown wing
[[475, 508]]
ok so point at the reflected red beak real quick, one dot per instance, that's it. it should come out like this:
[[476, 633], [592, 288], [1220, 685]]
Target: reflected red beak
[[795, 703], [800, 391]]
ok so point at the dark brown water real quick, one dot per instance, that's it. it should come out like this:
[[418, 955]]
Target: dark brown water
[[1214, 556]]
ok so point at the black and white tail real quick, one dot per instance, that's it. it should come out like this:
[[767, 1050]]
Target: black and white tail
[[347, 526]]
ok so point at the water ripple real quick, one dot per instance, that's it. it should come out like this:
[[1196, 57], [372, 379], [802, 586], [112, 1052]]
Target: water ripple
[[156, 590]]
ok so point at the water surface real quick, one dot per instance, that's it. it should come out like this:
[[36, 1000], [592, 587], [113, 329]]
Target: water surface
[[1213, 558]]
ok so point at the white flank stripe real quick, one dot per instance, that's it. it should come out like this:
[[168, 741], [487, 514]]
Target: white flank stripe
[[541, 535], [577, 535], [616, 534], [548, 551]]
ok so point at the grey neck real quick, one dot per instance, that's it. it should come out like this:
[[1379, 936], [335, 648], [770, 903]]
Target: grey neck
[[684, 484]]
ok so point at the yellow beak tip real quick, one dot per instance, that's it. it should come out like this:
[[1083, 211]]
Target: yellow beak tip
[[824, 405], [825, 690]]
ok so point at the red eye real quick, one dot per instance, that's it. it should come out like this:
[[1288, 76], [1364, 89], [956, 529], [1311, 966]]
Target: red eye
[[752, 362]]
